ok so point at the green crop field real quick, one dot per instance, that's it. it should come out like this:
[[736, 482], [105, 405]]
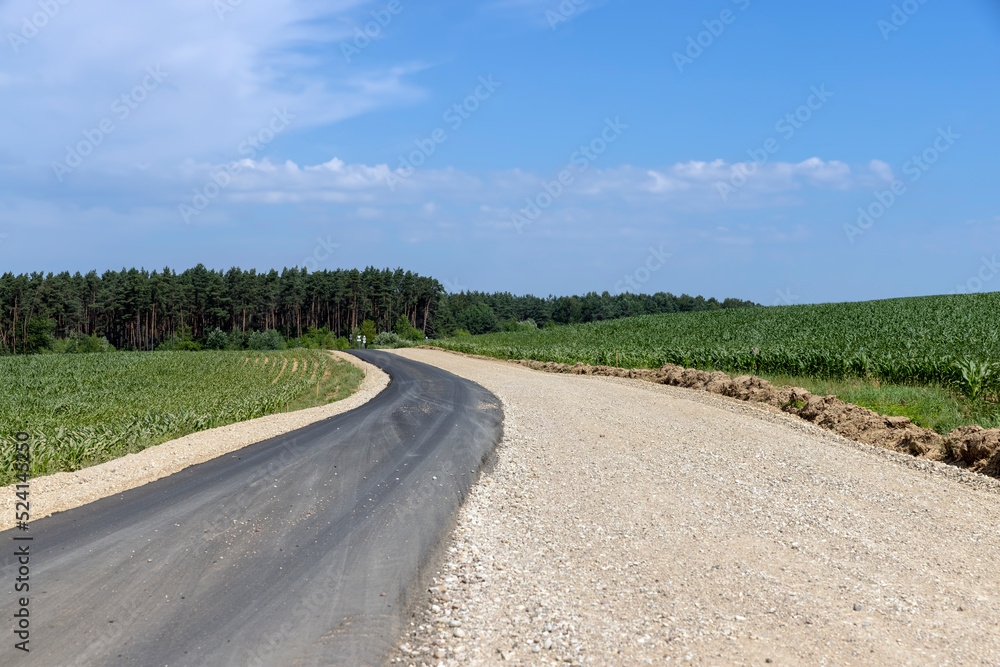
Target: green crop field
[[948, 341], [87, 408]]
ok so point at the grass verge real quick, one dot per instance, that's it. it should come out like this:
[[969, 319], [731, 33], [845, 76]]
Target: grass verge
[[933, 407], [84, 409], [339, 381]]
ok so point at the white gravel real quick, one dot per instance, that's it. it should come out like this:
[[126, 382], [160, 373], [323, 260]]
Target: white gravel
[[632, 523], [66, 490]]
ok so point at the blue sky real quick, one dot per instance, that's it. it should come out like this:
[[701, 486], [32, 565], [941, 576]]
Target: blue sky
[[723, 148]]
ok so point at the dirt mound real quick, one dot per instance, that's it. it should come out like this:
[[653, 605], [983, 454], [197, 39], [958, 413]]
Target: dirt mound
[[975, 446], [992, 467], [970, 447]]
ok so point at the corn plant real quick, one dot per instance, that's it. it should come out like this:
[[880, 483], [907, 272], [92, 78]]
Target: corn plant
[[85, 408], [974, 376], [899, 341]]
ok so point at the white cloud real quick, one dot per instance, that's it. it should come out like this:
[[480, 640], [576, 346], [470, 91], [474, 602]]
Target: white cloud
[[882, 170], [682, 186], [450, 196], [833, 174], [222, 77]]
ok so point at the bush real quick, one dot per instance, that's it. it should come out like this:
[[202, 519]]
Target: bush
[[407, 331], [480, 319], [388, 339], [462, 332], [216, 340], [75, 343], [181, 340], [236, 340], [265, 340], [313, 339], [92, 343], [64, 345]]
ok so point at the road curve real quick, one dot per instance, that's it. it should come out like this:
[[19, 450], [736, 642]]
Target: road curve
[[299, 550]]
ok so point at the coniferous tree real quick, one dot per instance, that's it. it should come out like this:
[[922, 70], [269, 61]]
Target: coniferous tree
[[139, 310]]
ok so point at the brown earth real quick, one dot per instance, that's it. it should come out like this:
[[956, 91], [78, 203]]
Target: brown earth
[[281, 372], [971, 447]]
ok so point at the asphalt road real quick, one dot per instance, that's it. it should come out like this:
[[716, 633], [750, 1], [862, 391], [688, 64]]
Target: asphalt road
[[299, 550]]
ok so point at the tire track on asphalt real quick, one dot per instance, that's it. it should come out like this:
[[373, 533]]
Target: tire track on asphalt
[[304, 549]]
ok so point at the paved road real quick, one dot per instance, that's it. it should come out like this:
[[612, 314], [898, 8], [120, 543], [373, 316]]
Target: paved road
[[300, 550]]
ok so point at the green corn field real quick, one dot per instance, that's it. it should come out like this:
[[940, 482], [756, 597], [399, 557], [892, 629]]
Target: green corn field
[[83, 409], [941, 340]]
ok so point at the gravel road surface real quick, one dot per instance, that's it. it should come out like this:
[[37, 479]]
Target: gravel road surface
[[298, 550], [628, 523]]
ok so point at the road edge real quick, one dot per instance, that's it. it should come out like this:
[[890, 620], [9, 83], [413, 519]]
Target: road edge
[[957, 449], [67, 490]]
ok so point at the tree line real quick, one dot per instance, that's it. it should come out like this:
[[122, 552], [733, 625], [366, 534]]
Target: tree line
[[138, 309], [481, 312]]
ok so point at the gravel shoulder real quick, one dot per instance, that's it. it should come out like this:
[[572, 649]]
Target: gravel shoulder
[[66, 490], [626, 522]]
